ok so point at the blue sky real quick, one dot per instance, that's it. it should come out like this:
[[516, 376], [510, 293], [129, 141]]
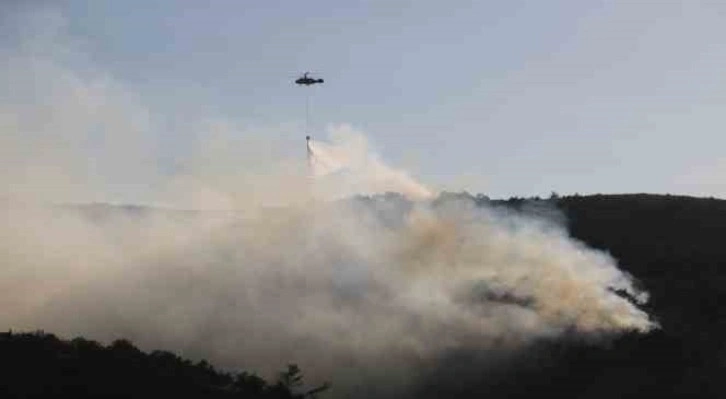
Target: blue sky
[[504, 98]]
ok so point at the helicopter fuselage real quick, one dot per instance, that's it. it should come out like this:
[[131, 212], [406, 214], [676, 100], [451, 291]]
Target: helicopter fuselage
[[308, 81]]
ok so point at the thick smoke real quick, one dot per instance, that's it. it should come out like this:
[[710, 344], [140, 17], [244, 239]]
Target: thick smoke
[[274, 266]]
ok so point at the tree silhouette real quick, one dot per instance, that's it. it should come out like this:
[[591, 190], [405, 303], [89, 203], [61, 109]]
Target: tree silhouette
[[39, 365]]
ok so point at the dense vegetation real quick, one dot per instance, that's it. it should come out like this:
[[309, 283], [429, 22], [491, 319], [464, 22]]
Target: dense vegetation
[[39, 365], [673, 245]]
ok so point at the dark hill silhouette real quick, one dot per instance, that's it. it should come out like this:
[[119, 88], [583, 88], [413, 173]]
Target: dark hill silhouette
[[674, 246], [40, 365]]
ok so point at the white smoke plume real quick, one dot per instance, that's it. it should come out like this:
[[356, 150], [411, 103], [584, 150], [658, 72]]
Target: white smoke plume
[[274, 270], [347, 167]]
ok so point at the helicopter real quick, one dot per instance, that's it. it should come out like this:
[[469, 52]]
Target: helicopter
[[307, 81]]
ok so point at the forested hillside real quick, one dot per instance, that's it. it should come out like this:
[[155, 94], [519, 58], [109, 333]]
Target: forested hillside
[[40, 365], [674, 246]]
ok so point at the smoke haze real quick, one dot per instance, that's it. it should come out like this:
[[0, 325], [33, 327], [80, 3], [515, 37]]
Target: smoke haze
[[273, 266], [347, 167]]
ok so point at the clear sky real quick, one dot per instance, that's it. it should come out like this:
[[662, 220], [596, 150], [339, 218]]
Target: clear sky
[[499, 97]]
